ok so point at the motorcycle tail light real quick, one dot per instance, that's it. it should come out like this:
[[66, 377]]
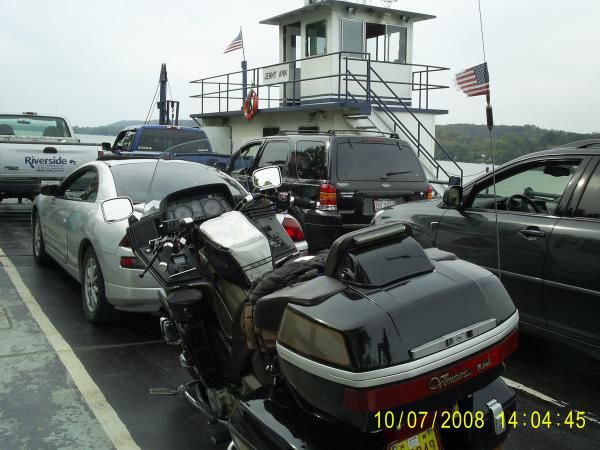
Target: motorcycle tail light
[[293, 229], [125, 242], [313, 339], [130, 262], [395, 395], [328, 197]]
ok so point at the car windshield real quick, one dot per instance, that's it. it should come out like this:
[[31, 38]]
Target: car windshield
[[151, 181], [161, 139], [133, 180], [372, 160]]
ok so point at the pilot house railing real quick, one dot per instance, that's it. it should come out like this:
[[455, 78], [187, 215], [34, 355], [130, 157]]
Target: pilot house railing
[[347, 79]]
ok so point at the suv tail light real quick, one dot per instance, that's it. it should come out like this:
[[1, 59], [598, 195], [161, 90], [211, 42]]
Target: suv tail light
[[100, 153], [429, 194], [328, 197], [293, 229]]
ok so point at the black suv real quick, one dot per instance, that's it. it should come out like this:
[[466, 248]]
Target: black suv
[[351, 176]]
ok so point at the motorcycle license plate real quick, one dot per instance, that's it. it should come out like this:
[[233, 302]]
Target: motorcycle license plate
[[382, 203], [425, 440]]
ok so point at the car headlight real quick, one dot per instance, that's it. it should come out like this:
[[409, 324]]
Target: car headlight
[[313, 339], [377, 214]]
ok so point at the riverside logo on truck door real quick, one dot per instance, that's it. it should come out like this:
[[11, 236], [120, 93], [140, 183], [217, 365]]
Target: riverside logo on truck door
[[54, 164]]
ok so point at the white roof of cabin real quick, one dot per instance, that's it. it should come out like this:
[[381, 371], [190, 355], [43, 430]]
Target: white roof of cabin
[[285, 18]]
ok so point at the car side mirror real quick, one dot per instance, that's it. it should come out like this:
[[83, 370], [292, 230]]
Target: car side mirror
[[106, 147], [117, 209], [220, 165], [267, 178], [453, 197], [50, 189]]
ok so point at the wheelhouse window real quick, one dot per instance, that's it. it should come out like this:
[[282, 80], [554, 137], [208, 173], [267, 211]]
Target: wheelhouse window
[[386, 42], [352, 36], [316, 38], [395, 44]]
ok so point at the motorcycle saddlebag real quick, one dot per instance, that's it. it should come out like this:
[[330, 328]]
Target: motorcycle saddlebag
[[237, 250], [261, 333], [185, 304]]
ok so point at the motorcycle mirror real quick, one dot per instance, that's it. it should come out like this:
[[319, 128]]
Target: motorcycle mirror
[[453, 196], [267, 178], [117, 209]]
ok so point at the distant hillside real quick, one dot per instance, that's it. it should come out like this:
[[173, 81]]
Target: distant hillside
[[114, 128], [464, 142], [471, 143]]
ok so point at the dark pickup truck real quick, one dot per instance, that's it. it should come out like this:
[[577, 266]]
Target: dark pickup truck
[[190, 144]]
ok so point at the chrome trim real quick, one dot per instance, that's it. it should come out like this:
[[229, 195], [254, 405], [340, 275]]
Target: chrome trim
[[405, 371], [452, 339], [497, 414]]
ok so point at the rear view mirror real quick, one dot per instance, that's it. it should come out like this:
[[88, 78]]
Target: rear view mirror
[[453, 197], [267, 178], [117, 209], [50, 189], [106, 147], [557, 171]]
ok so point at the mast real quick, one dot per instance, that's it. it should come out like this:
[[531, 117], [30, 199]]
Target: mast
[[162, 102]]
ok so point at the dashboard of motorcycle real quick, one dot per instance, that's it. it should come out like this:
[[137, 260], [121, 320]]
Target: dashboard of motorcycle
[[203, 202]]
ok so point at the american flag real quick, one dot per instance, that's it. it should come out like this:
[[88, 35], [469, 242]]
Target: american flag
[[474, 81], [236, 44]]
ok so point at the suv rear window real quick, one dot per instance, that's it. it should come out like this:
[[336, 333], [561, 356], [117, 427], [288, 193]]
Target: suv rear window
[[363, 160], [160, 139]]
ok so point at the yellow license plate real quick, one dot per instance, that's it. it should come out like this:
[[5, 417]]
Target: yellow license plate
[[425, 440]]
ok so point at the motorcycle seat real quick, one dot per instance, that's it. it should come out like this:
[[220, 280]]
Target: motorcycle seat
[[269, 309]]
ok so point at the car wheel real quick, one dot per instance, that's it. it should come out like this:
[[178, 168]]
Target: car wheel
[[39, 250], [95, 306]]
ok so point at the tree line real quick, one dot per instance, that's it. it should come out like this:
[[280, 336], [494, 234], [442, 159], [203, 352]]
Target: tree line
[[471, 143]]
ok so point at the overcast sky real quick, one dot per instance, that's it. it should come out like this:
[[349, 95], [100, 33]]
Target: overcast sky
[[98, 61]]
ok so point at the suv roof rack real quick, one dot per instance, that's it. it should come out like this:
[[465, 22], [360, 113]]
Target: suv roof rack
[[337, 132], [286, 132], [586, 143], [383, 133]]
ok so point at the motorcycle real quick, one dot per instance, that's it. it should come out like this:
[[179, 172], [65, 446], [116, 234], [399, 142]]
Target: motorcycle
[[375, 344]]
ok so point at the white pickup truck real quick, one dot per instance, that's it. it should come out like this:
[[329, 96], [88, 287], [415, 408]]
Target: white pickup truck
[[37, 150]]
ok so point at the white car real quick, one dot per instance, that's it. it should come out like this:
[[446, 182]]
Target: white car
[[68, 226]]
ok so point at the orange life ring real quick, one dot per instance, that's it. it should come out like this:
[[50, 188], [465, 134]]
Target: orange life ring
[[250, 105]]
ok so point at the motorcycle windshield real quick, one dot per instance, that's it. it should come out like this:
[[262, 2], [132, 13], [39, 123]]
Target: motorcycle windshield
[[172, 175]]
